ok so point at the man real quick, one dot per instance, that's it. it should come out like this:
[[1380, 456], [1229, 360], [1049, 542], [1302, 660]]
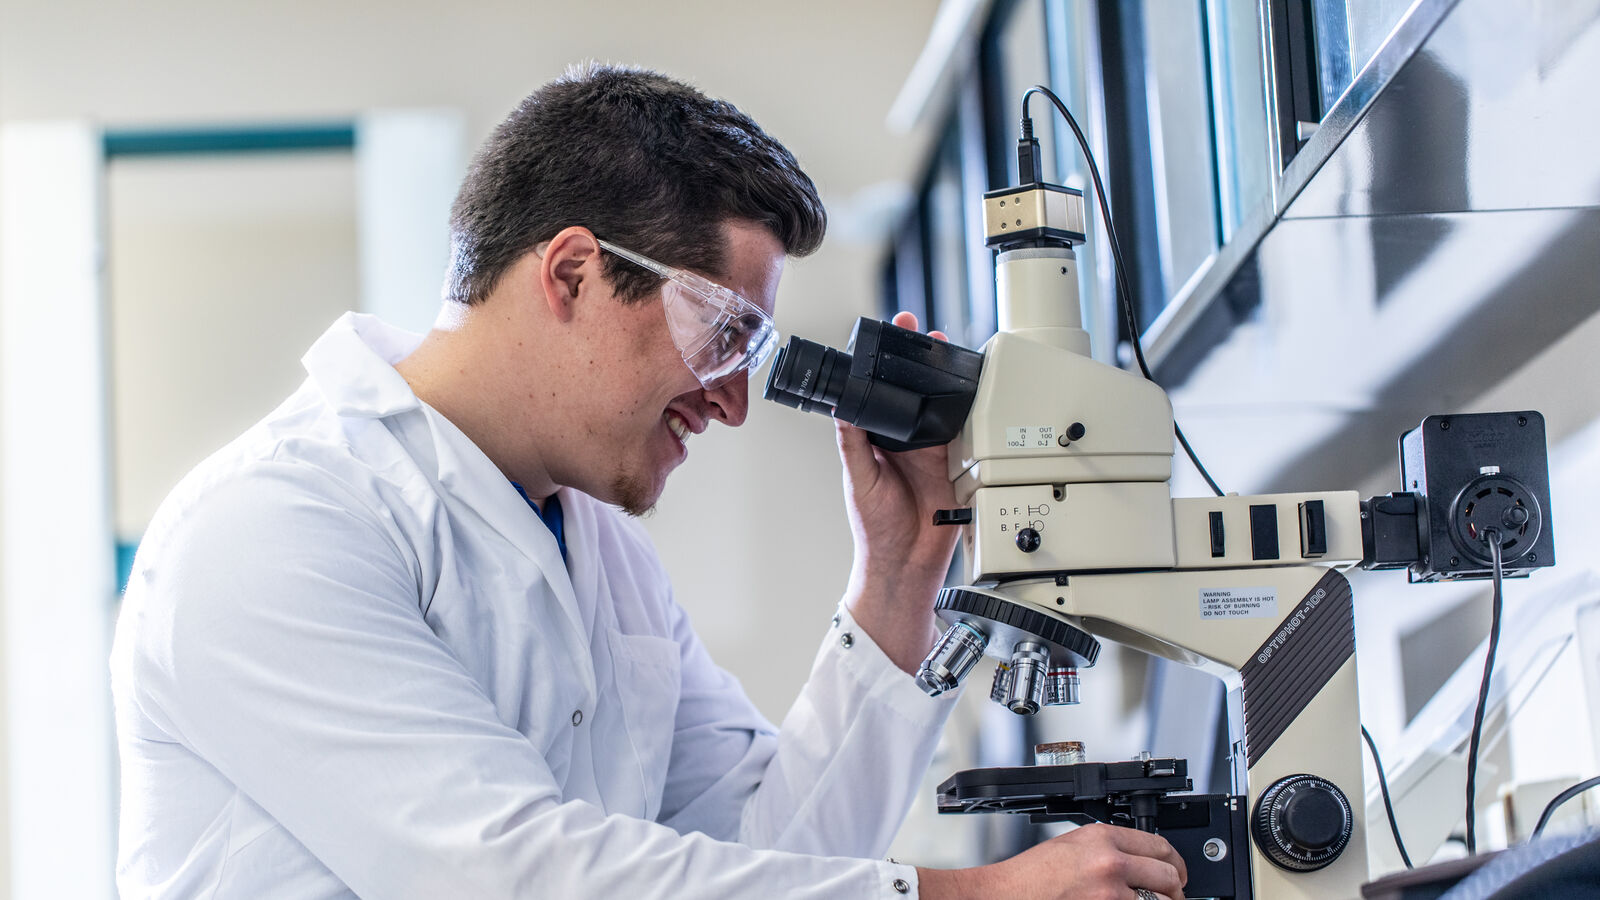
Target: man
[[396, 641]]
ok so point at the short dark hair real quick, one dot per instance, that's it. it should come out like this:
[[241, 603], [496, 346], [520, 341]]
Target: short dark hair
[[646, 162]]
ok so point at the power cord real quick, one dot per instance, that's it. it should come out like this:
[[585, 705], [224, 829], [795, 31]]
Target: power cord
[[1555, 803], [1492, 537], [1388, 805], [1123, 291]]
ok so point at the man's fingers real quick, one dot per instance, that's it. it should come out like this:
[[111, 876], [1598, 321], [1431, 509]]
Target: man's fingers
[[908, 320], [1155, 875], [1154, 847]]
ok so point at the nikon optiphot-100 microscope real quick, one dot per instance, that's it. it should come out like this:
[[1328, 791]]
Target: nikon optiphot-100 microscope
[[1070, 535]]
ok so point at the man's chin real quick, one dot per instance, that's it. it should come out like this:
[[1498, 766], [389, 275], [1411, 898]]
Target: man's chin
[[634, 495]]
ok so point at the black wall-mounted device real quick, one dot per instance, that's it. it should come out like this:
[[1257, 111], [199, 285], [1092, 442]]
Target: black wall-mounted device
[[1468, 479]]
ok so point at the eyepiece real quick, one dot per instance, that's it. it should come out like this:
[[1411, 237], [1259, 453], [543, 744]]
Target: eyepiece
[[808, 375], [905, 389]]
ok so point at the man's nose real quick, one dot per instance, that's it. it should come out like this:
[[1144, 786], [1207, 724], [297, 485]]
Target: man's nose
[[731, 399]]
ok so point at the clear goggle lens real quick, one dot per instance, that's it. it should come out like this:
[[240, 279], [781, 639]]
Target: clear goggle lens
[[719, 333]]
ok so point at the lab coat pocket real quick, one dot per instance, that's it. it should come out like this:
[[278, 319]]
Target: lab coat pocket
[[647, 670]]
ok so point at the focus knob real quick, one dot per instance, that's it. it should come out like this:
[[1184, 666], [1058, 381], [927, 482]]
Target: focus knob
[[1302, 823], [1028, 540]]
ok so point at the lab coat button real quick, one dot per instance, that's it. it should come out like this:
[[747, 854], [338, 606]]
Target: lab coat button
[[901, 887], [836, 621], [577, 717], [847, 640]]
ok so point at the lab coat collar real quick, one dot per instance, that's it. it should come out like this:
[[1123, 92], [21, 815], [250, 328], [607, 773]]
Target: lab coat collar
[[352, 365], [464, 471]]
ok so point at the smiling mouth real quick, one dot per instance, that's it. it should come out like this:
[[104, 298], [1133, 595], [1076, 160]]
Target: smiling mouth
[[679, 428]]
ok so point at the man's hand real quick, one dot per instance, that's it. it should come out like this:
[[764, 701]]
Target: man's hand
[[1096, 862], [901, 557]]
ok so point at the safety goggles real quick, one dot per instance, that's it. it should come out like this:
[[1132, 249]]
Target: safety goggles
[[719, 333]]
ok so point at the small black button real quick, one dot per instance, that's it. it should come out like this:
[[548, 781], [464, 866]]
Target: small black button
[[1076, 431], [1028, 540], [1219, 547]]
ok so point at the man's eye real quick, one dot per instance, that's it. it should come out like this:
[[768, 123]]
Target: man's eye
[[734, 339]]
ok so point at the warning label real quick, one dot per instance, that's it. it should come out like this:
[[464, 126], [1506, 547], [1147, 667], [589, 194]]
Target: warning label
[[1239, 603]]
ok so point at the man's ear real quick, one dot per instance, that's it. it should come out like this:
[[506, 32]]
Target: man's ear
[[570, 265]]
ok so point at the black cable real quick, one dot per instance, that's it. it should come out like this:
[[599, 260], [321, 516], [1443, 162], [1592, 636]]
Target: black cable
[[1492, 536], [1564, 796], [1388, 806], [1194, 459], [1123, 291]]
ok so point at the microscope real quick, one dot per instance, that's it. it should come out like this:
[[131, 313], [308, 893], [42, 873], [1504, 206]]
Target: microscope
[[1070, 536]]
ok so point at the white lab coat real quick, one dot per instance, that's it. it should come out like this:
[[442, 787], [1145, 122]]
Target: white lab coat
[[351, 661]]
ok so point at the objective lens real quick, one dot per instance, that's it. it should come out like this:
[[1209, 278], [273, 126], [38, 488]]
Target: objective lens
[[1061, 687], [807, 372], [1000, 688], [1029, 662], [952, 658]]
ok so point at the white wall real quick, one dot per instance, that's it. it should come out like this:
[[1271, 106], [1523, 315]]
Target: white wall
[[221, 273]]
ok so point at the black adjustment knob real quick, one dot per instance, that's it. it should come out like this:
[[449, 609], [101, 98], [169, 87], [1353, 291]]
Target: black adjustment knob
[[1028, 540], [1076, 431], [1302, 823]]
